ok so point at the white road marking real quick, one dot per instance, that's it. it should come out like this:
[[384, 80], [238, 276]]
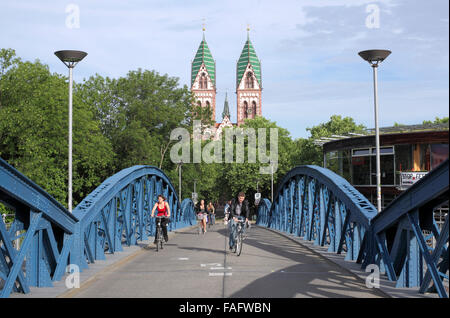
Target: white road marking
[[211, 264], [220, 274], [183, 258], [219, 268]]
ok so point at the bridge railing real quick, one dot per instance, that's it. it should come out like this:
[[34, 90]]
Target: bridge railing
[[119, 212], [42, 229], [116, 213], [316, 204], [320, 206], [405, 230]]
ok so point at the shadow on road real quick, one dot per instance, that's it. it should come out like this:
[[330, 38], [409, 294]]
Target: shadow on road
[[314, 276]]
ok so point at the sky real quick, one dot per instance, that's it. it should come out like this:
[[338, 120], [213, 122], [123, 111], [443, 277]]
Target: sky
[[308, 49]]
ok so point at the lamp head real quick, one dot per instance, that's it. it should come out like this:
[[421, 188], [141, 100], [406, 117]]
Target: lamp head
[[374, 57], [70, 57]]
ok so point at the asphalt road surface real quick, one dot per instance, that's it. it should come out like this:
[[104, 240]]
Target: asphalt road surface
[[192, 265]]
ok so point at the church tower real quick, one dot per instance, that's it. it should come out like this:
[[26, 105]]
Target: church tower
[[248, 83], [203, 78]]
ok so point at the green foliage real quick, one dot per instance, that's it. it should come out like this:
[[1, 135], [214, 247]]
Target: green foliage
[[306, 152], [137, 114], [34, 130], [245, 176], [437, 120], [127, 121]]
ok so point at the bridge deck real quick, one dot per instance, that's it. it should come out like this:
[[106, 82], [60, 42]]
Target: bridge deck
[[271, 265]]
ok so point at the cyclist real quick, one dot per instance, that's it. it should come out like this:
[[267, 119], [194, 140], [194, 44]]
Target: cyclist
[[163, 210], [239, 210], [227, 212], [202, 214], [212, 213]]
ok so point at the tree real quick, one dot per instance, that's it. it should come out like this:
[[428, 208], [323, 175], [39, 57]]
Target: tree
[[138, 113], [437, 120], [245, 176], [34, 129], [306, 152]]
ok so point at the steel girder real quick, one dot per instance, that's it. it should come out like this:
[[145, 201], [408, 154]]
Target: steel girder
[[320, 206], [44, 228], [115, 213], [118, 212], [316, 204], [408, 254]]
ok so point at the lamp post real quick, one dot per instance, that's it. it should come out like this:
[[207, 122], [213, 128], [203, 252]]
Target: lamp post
[[271, 183], [375, 57], [179, 180], [70, 58]]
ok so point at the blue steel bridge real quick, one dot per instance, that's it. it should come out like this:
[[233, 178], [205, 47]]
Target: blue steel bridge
[[312, 208]]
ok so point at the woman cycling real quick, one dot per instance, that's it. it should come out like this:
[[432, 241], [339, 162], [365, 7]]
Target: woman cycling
[[202, 215], [163, 210]]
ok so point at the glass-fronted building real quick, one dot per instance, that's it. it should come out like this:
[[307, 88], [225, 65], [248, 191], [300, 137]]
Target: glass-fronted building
[[407, 153]]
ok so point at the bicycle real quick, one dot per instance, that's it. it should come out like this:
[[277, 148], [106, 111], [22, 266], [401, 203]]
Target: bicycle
[[210, 220], [159, 232], [239, 237], [200, 221]]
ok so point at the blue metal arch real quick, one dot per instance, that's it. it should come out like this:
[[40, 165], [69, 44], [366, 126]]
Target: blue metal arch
[[317, 204], [44, 227], [118, 212], [398, 233]]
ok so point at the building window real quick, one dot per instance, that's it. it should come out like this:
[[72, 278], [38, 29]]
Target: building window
[[439, 153], [403, 160], [364, 166], [421, 157], [254, 109], [249, 80], [203, 81], [340, 163], [245, 109], [361, 170]]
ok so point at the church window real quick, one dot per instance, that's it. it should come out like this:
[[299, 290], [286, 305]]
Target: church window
[[245, 109], [254, 109], [203, 81], [249, 80]]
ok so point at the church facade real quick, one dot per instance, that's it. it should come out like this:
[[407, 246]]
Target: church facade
[[248, 87]]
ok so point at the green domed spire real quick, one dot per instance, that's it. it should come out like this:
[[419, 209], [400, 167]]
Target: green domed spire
[[203, 56], [248, 55]]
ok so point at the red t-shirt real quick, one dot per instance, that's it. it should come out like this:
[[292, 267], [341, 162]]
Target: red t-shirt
[[163, 211]]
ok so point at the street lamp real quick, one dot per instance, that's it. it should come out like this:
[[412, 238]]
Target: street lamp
[[70, 58], [271, 183], [179, 180], [375, 57]]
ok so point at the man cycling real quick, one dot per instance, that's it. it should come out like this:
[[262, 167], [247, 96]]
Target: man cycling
[[239, 210]]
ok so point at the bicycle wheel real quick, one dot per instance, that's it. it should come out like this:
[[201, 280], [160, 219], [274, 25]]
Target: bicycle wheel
[[239, 244], [158, 235], [236, 238]]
